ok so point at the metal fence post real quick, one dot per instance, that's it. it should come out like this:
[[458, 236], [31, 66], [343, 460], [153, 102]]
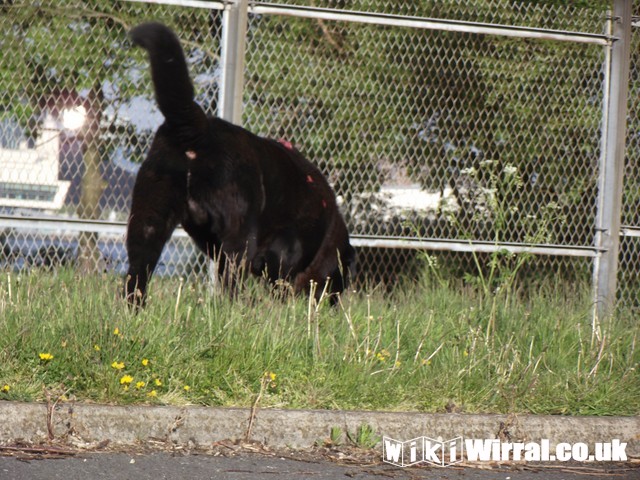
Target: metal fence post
[[610, 182], [234, 33]]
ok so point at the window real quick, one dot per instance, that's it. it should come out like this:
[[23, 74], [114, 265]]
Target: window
[[25, 191]]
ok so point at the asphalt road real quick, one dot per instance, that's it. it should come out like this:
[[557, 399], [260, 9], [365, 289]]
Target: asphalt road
[[162, 465]]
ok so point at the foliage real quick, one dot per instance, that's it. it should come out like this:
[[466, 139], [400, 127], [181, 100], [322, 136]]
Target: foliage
[[422, 348], [364, 437]]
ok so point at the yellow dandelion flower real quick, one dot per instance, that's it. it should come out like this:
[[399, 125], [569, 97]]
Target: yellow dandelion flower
[[383, 355], [5, 388], [269, 379], [126, 380], [45, 357], [157, 382], [186, 388], [145, 362], [152, 393], [140, 385], [96, 347], [117, 365], [116, 331]]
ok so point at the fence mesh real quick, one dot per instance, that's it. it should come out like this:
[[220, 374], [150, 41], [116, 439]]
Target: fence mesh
[[76, 119], [630, 246], [457, 145], [423, 134]]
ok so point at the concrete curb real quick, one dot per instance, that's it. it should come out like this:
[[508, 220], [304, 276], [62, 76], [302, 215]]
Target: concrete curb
[[129, 425]]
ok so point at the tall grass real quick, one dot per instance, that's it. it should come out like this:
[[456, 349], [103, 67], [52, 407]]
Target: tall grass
[[432, 347]]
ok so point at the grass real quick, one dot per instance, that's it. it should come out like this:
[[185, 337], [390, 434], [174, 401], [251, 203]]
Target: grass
[[429, 348]]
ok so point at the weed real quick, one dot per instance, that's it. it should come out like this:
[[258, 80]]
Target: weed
[[336, 436], [364, 437]]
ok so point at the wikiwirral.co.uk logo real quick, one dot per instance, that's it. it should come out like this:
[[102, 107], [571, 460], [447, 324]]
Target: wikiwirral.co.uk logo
[[448, 452]]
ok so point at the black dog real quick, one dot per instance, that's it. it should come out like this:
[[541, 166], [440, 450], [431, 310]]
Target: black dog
[[243, 199]]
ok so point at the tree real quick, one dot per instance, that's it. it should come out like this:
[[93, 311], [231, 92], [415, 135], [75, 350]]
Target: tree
[[360, 99], [81, 48]]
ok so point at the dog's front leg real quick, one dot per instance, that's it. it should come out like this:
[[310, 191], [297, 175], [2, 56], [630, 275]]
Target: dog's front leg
[[156, 210]]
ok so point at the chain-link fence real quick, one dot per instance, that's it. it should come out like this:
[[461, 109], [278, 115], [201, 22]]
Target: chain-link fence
[[76, 119], [629, 273], [468, 126]]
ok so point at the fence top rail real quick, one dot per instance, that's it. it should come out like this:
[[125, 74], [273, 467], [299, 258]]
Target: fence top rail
[[187, 3], [428, 23], [355, 16]]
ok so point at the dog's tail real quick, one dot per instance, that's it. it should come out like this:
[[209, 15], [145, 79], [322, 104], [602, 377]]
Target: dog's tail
[[173, 87]]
